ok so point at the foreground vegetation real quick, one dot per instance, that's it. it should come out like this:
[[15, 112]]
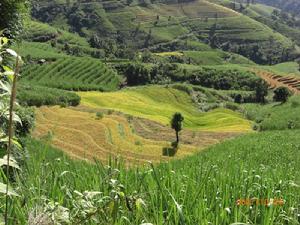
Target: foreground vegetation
[[201, 189]]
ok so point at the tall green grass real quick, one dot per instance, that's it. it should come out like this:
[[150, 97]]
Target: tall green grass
[[275, 116], [202, 189]]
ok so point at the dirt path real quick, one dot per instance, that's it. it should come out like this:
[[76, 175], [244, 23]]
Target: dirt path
[[274, 80]]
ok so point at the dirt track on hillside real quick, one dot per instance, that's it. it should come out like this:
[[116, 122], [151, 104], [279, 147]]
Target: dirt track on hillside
[[274, 80]]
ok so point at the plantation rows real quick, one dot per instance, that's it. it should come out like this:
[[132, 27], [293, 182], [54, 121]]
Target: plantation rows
[[78, 74]]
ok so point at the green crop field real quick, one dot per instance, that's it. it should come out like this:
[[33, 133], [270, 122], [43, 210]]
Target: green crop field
[[72, 73], [159, 104], [276, 116], [201, 189]]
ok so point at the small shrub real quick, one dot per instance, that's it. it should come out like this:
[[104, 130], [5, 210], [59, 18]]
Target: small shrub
[[99, 115], [256, 127], [110, 111], [281, 94], [291, 125]]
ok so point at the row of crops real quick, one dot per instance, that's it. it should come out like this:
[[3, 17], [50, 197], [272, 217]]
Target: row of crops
[[72, 73]]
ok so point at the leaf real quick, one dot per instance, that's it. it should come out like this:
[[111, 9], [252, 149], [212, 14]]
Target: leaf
[[6, 68], [3, 40], [140, 204], [12, 52], [12, 162], [10, 192], [17, 119], [17, 144]]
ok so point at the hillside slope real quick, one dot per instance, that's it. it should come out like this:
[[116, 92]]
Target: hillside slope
[[118, 27], [292, 6]]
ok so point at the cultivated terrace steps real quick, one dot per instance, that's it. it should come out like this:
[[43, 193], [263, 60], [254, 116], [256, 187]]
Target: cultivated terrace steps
[[275, 80]]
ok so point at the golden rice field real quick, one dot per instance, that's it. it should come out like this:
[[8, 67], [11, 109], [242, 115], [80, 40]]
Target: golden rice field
[[83, 136], [134, 125], [79, 132]]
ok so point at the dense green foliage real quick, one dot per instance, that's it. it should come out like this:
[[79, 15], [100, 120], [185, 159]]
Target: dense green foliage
[[12, 15], [197, 190], [32, 95], [281, 94], [224, 79], [176, 124]]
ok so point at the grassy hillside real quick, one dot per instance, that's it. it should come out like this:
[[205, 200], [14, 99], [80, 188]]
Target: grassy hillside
[[285, 69], [264, 14], [72, 73], [275, 116], [159, 104], [199, 190], [118, 27]]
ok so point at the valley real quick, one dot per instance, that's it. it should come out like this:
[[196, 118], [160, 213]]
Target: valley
[[161, 112]]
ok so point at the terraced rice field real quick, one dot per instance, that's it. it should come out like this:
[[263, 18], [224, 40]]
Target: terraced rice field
[[78, 132], [159, 104], [274, 80], [83, 136], [72, 73]]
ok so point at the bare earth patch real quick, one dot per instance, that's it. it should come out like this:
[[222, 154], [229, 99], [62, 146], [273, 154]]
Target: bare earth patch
[[274, 80]]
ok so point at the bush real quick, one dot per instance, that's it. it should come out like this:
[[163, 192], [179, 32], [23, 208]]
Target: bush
[[30, 95], [281, 94], [99, 115]]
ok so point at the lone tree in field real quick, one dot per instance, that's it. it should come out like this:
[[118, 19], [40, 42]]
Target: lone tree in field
[[176, 124], [281, 94]]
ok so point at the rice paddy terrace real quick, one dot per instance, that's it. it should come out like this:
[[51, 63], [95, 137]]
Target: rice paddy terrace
[[72, 73], [159, 104], [139, 134], [163, 22], [275, 80]]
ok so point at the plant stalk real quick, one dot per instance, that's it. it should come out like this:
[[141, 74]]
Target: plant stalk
[[11, 131]]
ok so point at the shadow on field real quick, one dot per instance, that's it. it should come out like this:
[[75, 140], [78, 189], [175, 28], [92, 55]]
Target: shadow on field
[[170, 151]]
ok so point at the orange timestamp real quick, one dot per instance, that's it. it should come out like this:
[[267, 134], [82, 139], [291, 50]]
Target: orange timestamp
[[256, 201]]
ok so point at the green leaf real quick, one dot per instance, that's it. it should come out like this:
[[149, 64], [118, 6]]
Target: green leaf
[[12, 52], [3, 41], [12, 162], [6, 68], [11, 192]]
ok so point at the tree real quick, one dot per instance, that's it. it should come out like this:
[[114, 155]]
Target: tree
[[261, 91], [281, 94], [12, 14], [176, 124]]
